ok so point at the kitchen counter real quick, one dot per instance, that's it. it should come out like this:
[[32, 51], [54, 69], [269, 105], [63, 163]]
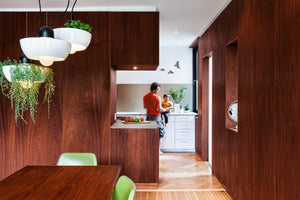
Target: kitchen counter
[[135, 148], [127, 114], [119, 124]]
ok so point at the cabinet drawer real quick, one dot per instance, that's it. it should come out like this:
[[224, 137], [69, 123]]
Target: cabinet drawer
[[171, 119], [185, 119], [185, 134], [168, 141], [184, 126], [185, 144]]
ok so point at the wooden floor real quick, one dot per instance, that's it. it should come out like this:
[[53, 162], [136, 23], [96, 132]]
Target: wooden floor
[[183, 176], [188, 195]]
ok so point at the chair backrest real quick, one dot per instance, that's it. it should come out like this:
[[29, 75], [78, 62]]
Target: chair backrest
[[77, 159], [125, 189]]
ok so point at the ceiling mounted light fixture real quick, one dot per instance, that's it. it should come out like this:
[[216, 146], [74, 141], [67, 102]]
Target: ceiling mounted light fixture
[[45, 48], [76, 33]]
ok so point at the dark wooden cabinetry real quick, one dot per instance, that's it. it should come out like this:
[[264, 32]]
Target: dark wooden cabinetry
[[136, 150], [135, 40]]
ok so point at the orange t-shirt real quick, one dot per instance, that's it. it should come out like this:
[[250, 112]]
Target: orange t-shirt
[[151, 102]]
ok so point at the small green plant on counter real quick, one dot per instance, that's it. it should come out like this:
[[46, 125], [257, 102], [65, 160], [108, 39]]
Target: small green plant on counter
[[23, 90], [177, 95], [79, 25], [187, 107]]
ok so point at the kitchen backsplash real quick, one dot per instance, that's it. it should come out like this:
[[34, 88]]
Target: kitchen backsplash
[[130, 96]]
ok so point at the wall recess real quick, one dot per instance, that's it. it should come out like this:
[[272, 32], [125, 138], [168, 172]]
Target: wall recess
[[231, 84]]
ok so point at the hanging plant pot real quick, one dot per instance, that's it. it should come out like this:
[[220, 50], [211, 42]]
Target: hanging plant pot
[[21, 82], [79, 39], [24, 73]]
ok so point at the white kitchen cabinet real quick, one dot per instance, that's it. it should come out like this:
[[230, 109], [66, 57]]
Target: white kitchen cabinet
[[180, 133], [169, 138]]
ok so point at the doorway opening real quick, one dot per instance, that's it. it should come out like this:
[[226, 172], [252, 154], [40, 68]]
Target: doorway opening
[[210, 110], [205, 104]]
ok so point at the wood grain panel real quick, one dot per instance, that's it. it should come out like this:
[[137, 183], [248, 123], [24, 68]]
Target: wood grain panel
[[113, 94], [204, 107], [287, 98], [135, 40], [195, 195], [260, 162], [80, 111], [231, 80], [60, 182], [136, 150]]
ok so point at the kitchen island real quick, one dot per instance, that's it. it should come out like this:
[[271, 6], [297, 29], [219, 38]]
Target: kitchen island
[[134, 146], [179, 134]]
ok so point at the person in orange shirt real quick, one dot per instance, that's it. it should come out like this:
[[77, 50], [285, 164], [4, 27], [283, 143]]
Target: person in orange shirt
[[167, 105], [152, 103]]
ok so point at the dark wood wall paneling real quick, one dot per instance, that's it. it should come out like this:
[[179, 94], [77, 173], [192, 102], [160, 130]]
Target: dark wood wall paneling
[[136, 150], [80, 111], [261, 160], [135, 40], [287, 98], [204, 95], [85, 98]]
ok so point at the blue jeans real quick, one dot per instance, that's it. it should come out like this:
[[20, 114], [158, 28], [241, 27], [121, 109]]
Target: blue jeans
[[159, 123]]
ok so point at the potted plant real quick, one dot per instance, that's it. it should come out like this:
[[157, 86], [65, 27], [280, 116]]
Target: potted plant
[[79, 25], [20, 82], [76, 33], [187, 108], [177, 96]]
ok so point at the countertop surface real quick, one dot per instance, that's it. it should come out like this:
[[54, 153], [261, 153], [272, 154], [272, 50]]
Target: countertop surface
[[119, 124], [143, 113]]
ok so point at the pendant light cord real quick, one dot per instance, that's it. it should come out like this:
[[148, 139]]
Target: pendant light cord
[[40, 21], [73, 9], [61, 14]]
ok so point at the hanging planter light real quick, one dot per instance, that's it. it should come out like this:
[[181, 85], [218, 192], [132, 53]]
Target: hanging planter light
[[76, 33], [20, 82], [79, 38], [45, 48]]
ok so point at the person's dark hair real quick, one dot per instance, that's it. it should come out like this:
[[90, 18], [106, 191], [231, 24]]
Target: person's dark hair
[[166, 95], [154, 86]]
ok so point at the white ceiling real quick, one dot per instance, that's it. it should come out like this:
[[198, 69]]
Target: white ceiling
[[190, 18]]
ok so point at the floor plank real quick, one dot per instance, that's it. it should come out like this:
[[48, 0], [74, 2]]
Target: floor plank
[[173, 195], [183, 176]]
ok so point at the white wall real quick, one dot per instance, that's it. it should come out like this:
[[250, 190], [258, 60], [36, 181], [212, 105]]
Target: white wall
[[168, 56], [130, 96]]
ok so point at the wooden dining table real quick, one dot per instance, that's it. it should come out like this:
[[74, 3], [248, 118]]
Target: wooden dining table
[[61, 182]]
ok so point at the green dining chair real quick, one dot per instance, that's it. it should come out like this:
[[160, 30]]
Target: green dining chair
[[125, 189], [76, 159]]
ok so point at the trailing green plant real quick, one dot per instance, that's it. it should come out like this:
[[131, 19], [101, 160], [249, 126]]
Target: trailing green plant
[[177, 95], [78, 24], [23, 90]]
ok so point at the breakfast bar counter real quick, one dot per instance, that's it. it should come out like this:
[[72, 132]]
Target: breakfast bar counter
[[134, 146], [142, 125]]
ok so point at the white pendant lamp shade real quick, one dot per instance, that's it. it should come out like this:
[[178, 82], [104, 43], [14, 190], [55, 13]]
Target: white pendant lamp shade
[[79, 39], [45, 49]]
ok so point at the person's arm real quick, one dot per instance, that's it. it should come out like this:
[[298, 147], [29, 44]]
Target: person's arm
[[169, 108], [159, 108]]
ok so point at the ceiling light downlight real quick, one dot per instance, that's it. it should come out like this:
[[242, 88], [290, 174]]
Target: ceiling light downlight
[[45, 48]]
